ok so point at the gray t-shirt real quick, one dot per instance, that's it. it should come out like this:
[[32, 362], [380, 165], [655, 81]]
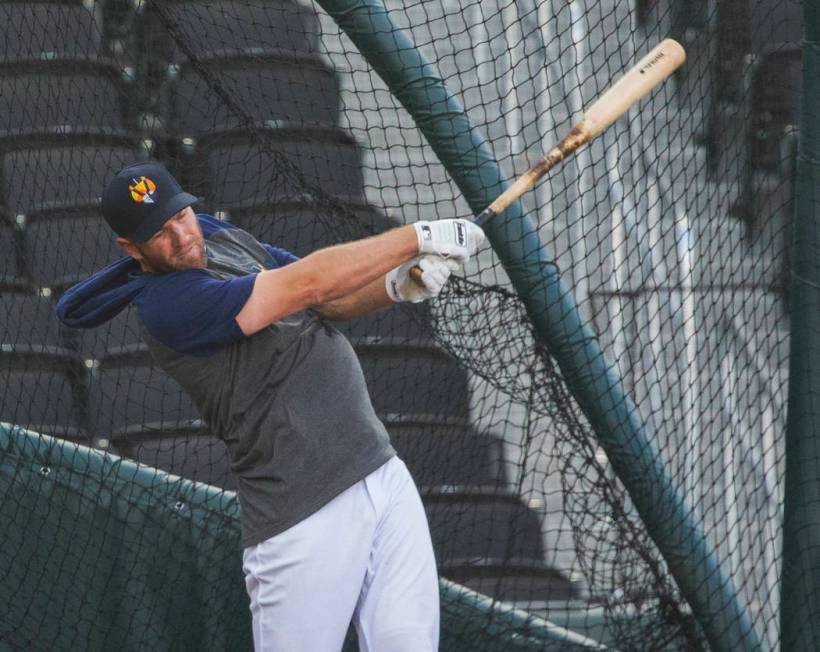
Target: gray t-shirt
[[290, 401]]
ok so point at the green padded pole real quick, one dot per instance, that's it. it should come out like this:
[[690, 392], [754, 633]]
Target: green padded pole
[[800, 587], [621, 433]]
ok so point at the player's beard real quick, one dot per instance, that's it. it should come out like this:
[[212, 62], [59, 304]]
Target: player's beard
[[191, 257]]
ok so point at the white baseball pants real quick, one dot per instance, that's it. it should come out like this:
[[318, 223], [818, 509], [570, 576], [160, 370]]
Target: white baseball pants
[[366, 556]]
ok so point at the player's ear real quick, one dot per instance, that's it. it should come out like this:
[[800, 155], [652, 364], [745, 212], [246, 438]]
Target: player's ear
[[129, 248]]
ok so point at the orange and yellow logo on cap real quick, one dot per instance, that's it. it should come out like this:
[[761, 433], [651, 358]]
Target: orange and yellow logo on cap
[[142, 190]]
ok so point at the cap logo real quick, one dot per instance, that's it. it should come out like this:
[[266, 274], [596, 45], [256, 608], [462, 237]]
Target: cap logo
[[142, 190]]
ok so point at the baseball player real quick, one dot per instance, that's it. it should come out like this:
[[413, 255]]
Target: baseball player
[[333, 528]]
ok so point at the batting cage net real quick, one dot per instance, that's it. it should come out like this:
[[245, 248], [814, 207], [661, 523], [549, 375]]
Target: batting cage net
[[668, 232]]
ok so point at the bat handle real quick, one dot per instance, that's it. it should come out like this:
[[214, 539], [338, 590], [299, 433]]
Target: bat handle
[[486, 214]]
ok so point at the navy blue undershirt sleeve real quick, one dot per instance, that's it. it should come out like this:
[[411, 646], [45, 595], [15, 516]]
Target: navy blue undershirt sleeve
[[192, 312], [281, 257]]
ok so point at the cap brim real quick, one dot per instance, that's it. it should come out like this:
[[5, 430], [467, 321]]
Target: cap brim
[[150, 226]]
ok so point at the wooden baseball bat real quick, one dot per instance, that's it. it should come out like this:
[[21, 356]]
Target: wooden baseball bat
[[645, 75]]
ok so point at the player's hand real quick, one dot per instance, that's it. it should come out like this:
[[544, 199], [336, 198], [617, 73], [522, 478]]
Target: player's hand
[[435, 271], [458, 239]]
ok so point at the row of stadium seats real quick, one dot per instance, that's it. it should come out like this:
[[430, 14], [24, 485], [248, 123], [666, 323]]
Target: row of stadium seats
[[103, 84], [91, 81]]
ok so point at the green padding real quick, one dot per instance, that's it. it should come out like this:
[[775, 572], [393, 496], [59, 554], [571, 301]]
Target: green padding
[[100, 554], [597, 388], [800, 587]]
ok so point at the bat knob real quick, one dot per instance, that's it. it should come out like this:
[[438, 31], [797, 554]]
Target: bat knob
[[415, 274]]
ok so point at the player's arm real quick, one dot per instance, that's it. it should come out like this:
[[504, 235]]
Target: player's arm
[[393, 287], [349, 271]]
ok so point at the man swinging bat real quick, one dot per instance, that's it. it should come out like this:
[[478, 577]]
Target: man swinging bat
[[333, 528]]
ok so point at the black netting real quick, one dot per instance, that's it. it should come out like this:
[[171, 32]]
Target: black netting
[[670, 230]]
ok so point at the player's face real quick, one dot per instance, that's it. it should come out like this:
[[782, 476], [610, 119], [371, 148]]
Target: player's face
[[178, 245]]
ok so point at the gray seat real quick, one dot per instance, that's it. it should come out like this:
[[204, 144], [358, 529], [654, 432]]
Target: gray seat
[[121, 331], [131, 399], [513, 582], [265, 88], [63, 31], [49, 100], [198, 457], [497, 526], [28, 323], [413, 379], [42, 400], [244, 172], [302, 226], [444, 454], [67, 246], [217, 27], [9, 267], [60, 175], [776, 88]]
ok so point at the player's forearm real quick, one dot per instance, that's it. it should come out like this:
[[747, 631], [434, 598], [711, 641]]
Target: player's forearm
[[325, 276], [370, 298]]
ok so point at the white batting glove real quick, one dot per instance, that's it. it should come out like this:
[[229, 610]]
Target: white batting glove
[[458, 239], [435, 271]]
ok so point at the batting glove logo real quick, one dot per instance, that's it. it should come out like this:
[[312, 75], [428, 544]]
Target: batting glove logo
[[142, 190], [461, 235]]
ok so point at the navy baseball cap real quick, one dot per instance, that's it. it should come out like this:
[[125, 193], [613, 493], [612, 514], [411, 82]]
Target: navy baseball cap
[[141, 198]]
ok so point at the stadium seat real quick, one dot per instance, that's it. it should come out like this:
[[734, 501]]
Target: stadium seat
[[42, 378], [197, 456], [9, 267], [37, 31], [775, 96], [221, 27], [514, 582], [54, 176], [63, 247], [41, 400], [302, 225], [121, 331], [241, 171], [129, 397], [29, 324], [406, 323], [264, 88], [486, 525], [55, 101], [751, 27], [450, 453], [774, 23], [413, 379]]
